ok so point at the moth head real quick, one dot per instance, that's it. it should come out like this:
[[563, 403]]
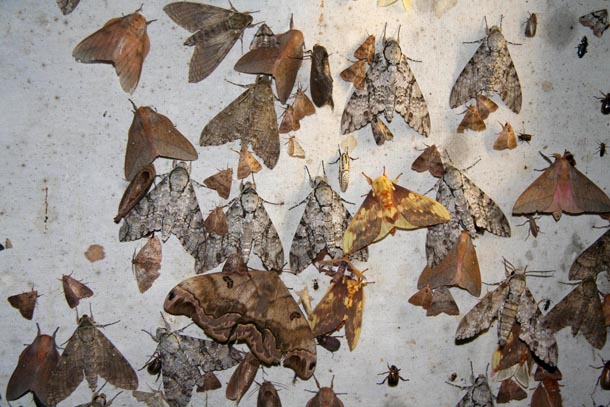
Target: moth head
[[249, 197], [323, 192], [480, 380], [495, 39], [179, 178], [303, 363], [392, 51]]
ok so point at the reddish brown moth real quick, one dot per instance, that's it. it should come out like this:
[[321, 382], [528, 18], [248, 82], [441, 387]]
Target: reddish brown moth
[[247, 164], [388, 207], [366, 50], [33, 369], [381, 132], [422, 298], [547, 394], [267, 396], [220, 182], [460, 267], [544, 374], [513, 360], [472, 120], [531, 25], [393, 376], [123, 42], [485, 106], [25, 303], [302, 105], [74, 290], [146, 264], [442, 301], [242, 377], [95, 252], [216, 222], [506, 139], [325, 397], [137, 188], [294, 148], [429, 160], [210, 382], [355, 73], [562, 188], [510, 390], [289, 122], [153, 135]]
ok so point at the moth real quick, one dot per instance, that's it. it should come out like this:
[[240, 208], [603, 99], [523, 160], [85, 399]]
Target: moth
[[220, 182], [422, 298], [123, 42], [137, 188], [381, 132], [491, 69], [389, 86], [604, 377], [581, 48], [543, 373], [36, 362], [594, 260], [472, 120], [251, 118], [320, 78], [605, 100], [442, 301], [547, 394], [330, 343], [511, 301], [344, 161], [153, 135], [242, 377], [146, 264], [25, 303], [506, 139], [485, 106], [597, 21], [321, 228], [289, 122], [294, 148], [366, 50], [429, 160], [252, 306], [183, 360], [267, 396], [562, 188], [215, 32], [217, 222], [510, 390], [582, 310], [325, 397], [302, 105], [264, 38], [74, 290], [88, 354], [247, 164], [478, 394], [355, 73], [392, 376], [67, 6], [169, 208], [151, 399], [513, 360], [388, 207], [531, 24], [533, 228]]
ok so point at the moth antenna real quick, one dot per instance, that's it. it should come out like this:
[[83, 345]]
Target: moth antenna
[[291, 21], [109, 402], [151, 335], [473, 164], [140, 8], [148, 22], [309, 175], [134, 105], [486, 25], [37, 329], [395, 180], [323, 169], [54, 332], [398, 35], [547, 159], [384, 27], [369, 179]]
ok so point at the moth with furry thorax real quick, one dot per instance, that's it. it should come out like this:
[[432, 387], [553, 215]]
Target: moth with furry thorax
[[388, 207]]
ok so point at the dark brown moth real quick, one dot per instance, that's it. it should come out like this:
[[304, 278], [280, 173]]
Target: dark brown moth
[[320, 78], [393, 376], [74, 290], [506, 139], [547, 394], [594, 260], [289, 122], [330, 343], [88, 354], [605, 100], [153, 135], [67, 6], [543, 373], [137, 188], [36, 362], [510, 390], [302, 105], [251, 118], [355, 73], [597, 21], [325, 397], [442, 301], [123, 42], [381, 132], [485, 106], [294, 148], [472, 120], [247, 164], [429, 160], [242, 377], [531, 25], [146, 264], [582, 310], [25, 303], [366, 50], [252, 306], [220, 182], [562, 188], [210, 382], [267, 396], [422, 298], [511, 301], [217, 222], [344, 161], [215, 31]]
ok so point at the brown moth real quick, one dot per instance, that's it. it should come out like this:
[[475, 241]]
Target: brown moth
[[67, 6], [531, 25], [146, 264], [25, 303], [151, 399], [485, 106], [36, 362], [210, 382], [289, 122], [74, 290], [267, 396], [216, 222], [442, 301], [547, 394], [302, 105], [344, 161], [597, 21], [355, 73], [251, 118], [392, 376], [513, 360], [320, 78], [137, 188], [511, 301], [422, 298], [381, 132], [8, 244], [153, 135], [252, 306], [506, 139], [582, 310], [543, 373], [88, 354], [562, 188], [123, 42], [388, 207], [215, 32], [325, 397], [220, 182], [242, 377], [594, 260], [429, 160], [460, 267], [510, 390], [472, 120], [294, 148], [366, 50], [247, 164]]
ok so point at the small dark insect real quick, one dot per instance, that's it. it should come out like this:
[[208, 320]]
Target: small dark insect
[[581, 49], [393, 375], [604, 378], [546, 304], [452, 377], [534, 229], [531, 25], [330, 343], [316, 285], [601, 149], [605, 102], [153, 366], [525, 137]]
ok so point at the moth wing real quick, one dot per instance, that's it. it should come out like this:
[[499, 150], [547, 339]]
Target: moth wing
[[262, 132], [354, 308], [303, 106], [587, 196], [565, 311], [366, 51], [593, 325], [355, 73], [168, 141], [594, 260], [596, 21], [422, 298], [442, 301], [305, 245], [195, 16], [230, 123], [329, 314], [472, 120], [485, 106], [267, 244], [467, 85], [287, 66], [540, 339], [365, 226], [67, 6], [480, 317], [508, 87], [410, 102], [506, 139], [111, 365], [221, 182], [208, 54], [258, 61], [74, 290], [295, 149], [154, 399], [486, 213], [441, 238], [178, 389], [25, 303], [356, 114], [187, 221], [69, 372], [538, 197], [419, 210]]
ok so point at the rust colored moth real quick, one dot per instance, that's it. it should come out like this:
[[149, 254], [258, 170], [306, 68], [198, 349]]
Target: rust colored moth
[[146, 264], [74, 290], [242, 377], [506, 139], [216, 222], [220, 182], [267, 396], [543, 373], [388, 207], [320, 78], [289, 122], [513, 360], [123, 42], [355, 73], [344, 165], [25, 303], [215, 31], [247, 164], [422, 298], [485, 106], [137, 188], [442, 301], [460, 267], [510, 390], [325, 397], [547, 394], [393, 376], [472, 120], [381, 132], [153, 135], [366, 50], [33, 369], [302, 105], [562, 188], [294, 148], [430, 160], [67, 6], [531, 25], [210, 382]]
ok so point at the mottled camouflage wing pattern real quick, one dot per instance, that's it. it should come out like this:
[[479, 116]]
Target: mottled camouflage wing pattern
[[478, 395], [594, 260], [69, 372], [597, 21], [480, 317], [67, 6], [540, 339], [441, 238]]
